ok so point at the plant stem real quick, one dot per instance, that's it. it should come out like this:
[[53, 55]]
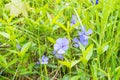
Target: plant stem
[[46, 72]]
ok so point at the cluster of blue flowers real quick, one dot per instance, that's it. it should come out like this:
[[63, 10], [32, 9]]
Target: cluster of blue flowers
[[83, 37], [62, 44]]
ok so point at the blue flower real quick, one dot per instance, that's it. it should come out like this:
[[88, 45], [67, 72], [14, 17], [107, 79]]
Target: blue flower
[[44, 60], [83, 37], [60, 47], [84, 33], [97, 1], [83, 41], [76, 42]]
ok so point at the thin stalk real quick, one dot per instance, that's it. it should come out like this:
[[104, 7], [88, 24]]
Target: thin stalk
[[46, 72]]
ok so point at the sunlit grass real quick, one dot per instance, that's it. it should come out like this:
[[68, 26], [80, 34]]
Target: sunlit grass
[[24, 39]]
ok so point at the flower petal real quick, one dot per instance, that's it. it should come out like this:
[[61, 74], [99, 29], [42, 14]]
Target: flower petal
[[65, 41], [73, 20], [54, 52], [71, 24], [80, 33], [65, 47], [85, 37], [61, 51], [56, 47], [89, 32], [60, 56], [83, 41], [76, 40], [83, 29], [44, 60], [59, 41]]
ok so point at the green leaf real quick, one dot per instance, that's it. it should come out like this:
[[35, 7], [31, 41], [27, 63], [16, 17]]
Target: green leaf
[[51, 40], [105, 48], [24, 49], [105, 73], [62, 26], [57, 17], [12, 62], [6, 35], [66, 77], [65, 63], [117, 69], [82, 47], [3, 61], [69, 64], [87, 54], [17, 7], [75, 77], [102, 48], [73, 63]]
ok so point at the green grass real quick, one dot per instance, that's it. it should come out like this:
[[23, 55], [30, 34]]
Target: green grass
[[48, 20]]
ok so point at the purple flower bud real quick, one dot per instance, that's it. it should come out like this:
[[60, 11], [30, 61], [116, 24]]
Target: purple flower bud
[[73, 20]]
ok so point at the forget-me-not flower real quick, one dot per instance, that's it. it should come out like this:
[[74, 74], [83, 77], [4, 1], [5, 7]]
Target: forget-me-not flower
[[83, 37], [60, 47]]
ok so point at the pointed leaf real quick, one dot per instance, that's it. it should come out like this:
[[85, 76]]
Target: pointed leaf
[[105, 48], [73, 63], [25, 49], [6, 35], [65, 63], [75, 77], [51, 40], [17, 7], [87, 54]]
